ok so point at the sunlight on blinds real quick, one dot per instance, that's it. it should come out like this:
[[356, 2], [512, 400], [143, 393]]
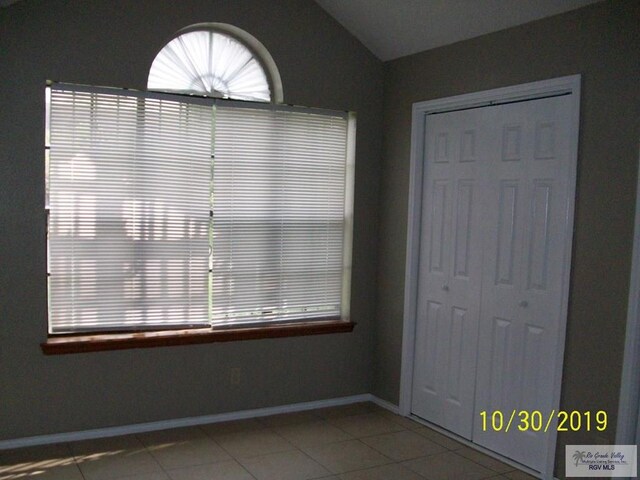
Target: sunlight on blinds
[[169, 211], [279, 214], [129, 183]]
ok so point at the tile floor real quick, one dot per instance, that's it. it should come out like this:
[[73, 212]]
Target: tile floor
[[352, 442]]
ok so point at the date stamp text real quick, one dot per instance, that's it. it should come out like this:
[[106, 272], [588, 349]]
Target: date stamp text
[[537, 421]]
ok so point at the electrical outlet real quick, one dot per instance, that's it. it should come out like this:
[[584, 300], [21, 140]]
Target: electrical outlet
[[235, 374]]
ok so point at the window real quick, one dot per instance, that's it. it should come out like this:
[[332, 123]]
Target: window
[[182, 212], [217, 60], [170, 211]]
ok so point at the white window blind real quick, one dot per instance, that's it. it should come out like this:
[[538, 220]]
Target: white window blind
[[212, 63], [150, 229], [278, 214], [129, 184]]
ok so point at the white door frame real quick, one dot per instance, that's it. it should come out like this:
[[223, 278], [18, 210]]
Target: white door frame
[[628, 427], [529, 91]]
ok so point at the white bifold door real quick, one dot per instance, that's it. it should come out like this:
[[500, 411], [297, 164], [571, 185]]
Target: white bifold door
[[493, 259]]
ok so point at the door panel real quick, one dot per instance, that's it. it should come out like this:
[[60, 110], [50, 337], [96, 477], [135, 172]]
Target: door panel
[[450, 269], [507, 208], [440, 202], [464, 222], [528, 189]]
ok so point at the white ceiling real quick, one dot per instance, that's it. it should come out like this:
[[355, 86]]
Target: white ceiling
[[395, 28]]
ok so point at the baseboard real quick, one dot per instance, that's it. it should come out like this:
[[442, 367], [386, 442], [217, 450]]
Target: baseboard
[[184, 422]]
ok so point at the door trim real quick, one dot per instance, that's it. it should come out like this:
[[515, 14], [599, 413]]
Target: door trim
[[628, 427], [528, 91]]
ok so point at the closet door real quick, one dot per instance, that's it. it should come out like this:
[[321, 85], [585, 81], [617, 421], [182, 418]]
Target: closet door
[[522, 274], [458, 147]]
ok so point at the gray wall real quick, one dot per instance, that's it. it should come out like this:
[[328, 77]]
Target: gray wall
[[103, 42], [601, 42]]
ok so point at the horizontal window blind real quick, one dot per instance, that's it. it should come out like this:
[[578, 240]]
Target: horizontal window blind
[[278, 215], [129, 188], [172, 211]]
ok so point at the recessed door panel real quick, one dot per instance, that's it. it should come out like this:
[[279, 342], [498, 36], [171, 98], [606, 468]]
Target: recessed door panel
[[464, 217], [539, 243], [427, 335], [500, 352], [505, 247], [439, 204], [456, 334]]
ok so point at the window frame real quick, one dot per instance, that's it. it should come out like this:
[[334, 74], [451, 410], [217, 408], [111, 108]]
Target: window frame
[[109, 340]]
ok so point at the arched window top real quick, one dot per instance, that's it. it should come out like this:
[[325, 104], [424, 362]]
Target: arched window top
[[216, 60]]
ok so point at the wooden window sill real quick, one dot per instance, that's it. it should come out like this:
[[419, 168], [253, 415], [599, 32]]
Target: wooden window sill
[[58, 345]]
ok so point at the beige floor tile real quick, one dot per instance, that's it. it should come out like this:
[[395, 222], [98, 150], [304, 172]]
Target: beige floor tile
[[99, 466], [346, 410], [172, 435], [365, 425], [145, 476], [188, 452], [346, 456], [182, 447], [484, 460], [228, 470], [104, 447], [41, 471], [375, 408], [400, 420], [42, 453], [385, 472], [403, 445], [518, 475], [438, 438], [44, 461], [253, 443], [288, 419], [314, 433], [448, 466], [293, 465], [234, 426]]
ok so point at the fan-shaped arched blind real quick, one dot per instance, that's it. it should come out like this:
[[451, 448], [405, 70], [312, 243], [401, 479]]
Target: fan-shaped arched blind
[[209, 62]]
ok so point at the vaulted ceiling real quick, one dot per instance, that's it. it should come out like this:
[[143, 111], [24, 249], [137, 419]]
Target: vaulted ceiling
[[396, 28]]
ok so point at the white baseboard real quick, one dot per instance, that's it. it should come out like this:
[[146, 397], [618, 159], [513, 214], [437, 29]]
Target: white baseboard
[[185, 422]]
